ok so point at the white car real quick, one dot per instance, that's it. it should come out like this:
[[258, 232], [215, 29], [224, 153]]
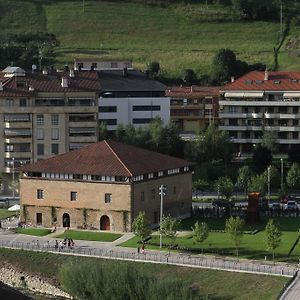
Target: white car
[[291, 205]]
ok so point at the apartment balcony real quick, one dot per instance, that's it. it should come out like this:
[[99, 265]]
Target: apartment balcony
[[83, 123], [83, 139], [289, 141], [246, 103], [282, 128], [246, 140], [232, 115], [17, 132], [235, 128], [17, 125], [11, 154]]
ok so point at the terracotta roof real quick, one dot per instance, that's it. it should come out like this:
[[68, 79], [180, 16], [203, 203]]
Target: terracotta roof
[[277, 81], [83, 81], [193, 91], [108, 158]]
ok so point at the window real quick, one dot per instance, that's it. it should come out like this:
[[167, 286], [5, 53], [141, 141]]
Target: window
[[40, 149], [23, 102], [54, 133], [107, 198], [142, 196], [295, 110], [40, 133], [107, 109], [54, 119], [54, 148], [40, 119], [9, 102], [233, 109], [40, 194], [141, 120], [150, 175], [146, 108], [109, 121], [160, 173], [295, 122], [39, 218], [73, 196]]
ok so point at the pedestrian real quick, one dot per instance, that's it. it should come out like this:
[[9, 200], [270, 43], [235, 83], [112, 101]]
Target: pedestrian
[[281, 271], [69, 243], [37, 243], [72, 243], [143, 248], [61, 245], [138, 249], [56, 245]]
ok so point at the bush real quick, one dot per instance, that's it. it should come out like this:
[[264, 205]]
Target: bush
[[126, 281]]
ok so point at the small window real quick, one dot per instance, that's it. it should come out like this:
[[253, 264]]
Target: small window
[[107, 198], [73, 196], [55, 133], [23, 102], [9, 102], [160, 173], [40, 133], [54, 148], [54, 119], [40, 194], [40, 119], [142, 196], [40, 149]]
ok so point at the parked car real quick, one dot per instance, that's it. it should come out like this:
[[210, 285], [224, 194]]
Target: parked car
[[286, 198], [222, 203], [275, 206], [291, 205]]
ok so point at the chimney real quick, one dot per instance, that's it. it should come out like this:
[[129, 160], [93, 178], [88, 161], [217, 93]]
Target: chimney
[[124, 72], [1, 85], [45, 72], [64, 82], [266, 75], [232, 78], [72, 73], [192, 89], [31, 88]]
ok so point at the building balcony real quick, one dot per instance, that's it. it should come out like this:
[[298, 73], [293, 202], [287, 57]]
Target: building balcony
[[83, 123], [246, 103], [17, 132], [17, 154], [83, 139], [17, 125]]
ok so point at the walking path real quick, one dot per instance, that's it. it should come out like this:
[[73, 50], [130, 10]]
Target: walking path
[[113, 251], [293, 291]]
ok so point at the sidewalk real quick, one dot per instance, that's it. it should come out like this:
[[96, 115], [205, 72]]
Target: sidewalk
[[113, 251]]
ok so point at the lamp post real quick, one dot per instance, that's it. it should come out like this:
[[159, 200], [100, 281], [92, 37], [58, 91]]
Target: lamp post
[[281, 165], [269, 185], [13, 179], [162, 193]]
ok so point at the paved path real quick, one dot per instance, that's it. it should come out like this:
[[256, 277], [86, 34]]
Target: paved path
[[293, 291]]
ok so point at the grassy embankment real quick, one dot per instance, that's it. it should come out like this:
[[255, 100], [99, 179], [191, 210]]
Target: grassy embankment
[[216, 284], [253, 246], [4, 213], [178, 36]]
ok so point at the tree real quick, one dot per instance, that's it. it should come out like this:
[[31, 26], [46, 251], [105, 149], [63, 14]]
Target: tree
[[168, 228], [189, 76], [244, 177], [273, 236], [258, 183], [293, 176], [154, 68], [103, 134], [274, 177], [234, 227], [223, 65], [224, 186], [141, 226], [269, 141], [200, 232], [262, 158]]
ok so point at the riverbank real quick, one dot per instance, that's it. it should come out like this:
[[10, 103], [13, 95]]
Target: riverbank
[[18, 279]]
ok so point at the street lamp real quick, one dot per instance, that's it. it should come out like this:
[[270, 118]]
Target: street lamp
[[281, 164], [269, 186], [162, 193]]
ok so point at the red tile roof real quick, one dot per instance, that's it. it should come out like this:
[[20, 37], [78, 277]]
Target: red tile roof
[[83, 81], [193, 91], [277, 81], [108, 158]]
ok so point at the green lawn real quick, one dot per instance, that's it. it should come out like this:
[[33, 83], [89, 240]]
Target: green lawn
[[4, 213], [179, 36], [90, 236], [253, 246], [212, 283], [33, 231]]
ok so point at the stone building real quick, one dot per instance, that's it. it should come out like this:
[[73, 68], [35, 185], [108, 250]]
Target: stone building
[[104, 186]]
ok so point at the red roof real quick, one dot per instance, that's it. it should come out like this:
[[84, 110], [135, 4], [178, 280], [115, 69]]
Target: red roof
[[83, 81], [108, 158], [193, 91], [277, 81]]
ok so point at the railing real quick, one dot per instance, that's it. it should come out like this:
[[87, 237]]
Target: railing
[[183, 259]]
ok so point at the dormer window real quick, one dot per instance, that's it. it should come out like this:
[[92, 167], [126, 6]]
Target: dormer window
[[276, 81]]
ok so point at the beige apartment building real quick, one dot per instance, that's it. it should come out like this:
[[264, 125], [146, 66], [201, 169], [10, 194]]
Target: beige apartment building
[[104, 186], [259, 102], [44, 114], [193, 108]]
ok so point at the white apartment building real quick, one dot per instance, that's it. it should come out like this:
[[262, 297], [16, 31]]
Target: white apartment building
[[43, 114], [86, 64], [131, 97], [258, 102]]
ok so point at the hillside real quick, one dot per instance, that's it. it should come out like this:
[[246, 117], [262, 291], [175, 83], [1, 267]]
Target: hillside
[[179, 37]]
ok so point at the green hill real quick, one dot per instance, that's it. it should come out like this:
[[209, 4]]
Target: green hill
[[178, 36]]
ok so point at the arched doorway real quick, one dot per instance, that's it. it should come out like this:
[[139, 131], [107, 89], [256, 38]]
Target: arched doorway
[[66, 220], [104, 223]]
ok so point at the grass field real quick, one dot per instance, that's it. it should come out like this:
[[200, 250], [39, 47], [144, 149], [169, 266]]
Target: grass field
[[33, 231], [90, 236], [215, 284], [253, 246], [179, 36], [4, 213]]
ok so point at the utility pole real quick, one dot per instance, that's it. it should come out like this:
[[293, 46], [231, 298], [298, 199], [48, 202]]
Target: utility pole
[[281, 20], [281, 164], [162, 193], [269, 184], [13, 179]]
